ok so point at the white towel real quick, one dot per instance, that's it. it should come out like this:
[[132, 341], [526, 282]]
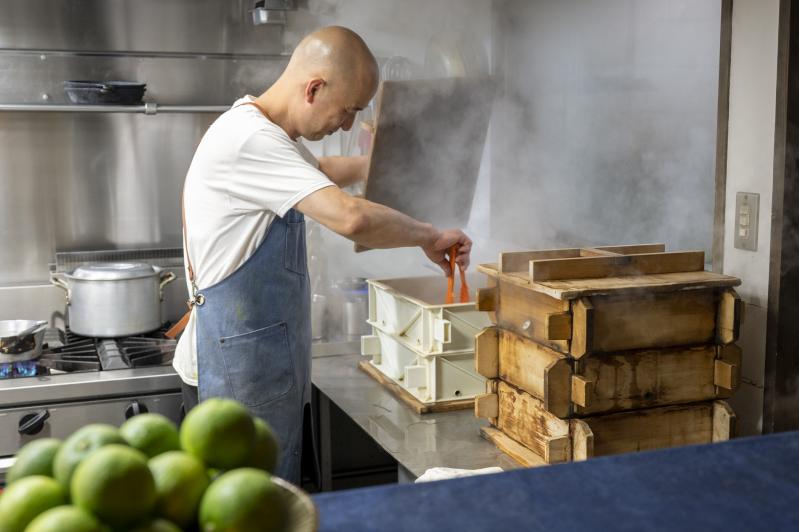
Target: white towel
[[444, 473]]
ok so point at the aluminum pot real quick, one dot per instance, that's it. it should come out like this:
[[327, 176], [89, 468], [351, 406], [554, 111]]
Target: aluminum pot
[[21, 340], [113, 299]]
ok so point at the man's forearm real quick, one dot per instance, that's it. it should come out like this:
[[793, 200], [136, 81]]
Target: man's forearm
[[379, 226], [376, 226], [344, 171]]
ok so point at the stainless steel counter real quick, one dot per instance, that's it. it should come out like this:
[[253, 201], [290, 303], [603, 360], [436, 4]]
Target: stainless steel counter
[[416, 442], [100, 384], [29, 392]]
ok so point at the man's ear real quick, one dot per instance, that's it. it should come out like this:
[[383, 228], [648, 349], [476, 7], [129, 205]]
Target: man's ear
[[312, 89]]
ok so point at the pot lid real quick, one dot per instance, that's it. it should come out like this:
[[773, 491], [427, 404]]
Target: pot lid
[[113, 271]]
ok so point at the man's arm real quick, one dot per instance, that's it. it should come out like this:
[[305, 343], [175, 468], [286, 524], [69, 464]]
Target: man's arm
[[345, 171], [377, 226]]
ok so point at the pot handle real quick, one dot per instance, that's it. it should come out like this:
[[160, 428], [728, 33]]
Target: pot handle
[[166, 278], [57, 279]]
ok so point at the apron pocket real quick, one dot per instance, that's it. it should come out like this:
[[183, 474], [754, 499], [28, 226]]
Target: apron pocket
[[259, 364], [295, 260]]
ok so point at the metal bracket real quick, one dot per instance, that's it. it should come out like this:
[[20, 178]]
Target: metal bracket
[[271, 11], [267, 16], [281, 5]]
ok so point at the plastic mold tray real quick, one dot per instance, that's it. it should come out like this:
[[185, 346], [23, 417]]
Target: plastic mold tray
[[421, 343]]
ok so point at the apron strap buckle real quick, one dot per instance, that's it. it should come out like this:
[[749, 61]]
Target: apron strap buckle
[[197, 299]]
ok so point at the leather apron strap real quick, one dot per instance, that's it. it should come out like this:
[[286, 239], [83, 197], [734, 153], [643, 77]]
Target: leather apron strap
[[196, 297]]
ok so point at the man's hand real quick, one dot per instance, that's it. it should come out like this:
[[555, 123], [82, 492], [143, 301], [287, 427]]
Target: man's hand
[[438, 250]]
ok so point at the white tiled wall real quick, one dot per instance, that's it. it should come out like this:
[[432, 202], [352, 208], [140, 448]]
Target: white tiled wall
[[750, 157]]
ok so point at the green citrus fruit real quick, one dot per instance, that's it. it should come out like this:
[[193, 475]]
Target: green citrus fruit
[[75, 448], [158, 525], [180, 481], [66, 519], [266, 451], [115, 484], [26, 498], [244, 499], [36, 458], [220, 432], [152, 434]]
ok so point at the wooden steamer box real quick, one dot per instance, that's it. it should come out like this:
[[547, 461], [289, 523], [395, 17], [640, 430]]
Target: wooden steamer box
[[605, 350]]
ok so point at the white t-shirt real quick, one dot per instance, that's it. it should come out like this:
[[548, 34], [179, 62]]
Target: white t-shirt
[[245, 171]]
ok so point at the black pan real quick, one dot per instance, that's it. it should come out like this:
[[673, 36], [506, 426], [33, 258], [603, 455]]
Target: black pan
[[105, 92]]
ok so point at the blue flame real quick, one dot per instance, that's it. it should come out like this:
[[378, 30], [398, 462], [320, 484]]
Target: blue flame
[[6, 370], [25, 369]]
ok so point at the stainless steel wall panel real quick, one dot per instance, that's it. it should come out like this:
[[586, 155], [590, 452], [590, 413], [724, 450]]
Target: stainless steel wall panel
[[84, 181], [178, 26], [37, 302], [74, 181], [38, 78]]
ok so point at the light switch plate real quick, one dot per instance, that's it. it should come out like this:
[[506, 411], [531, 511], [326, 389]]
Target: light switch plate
[[747, 206]]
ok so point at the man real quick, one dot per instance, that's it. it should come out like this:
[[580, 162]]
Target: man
[[246, 193]]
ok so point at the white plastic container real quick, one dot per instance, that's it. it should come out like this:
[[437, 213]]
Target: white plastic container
[[413, 311], [421, 343]]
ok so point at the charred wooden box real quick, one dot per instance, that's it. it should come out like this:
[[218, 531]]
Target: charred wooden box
[[580, 305], [524, 429], [608, 382], [600, 333]]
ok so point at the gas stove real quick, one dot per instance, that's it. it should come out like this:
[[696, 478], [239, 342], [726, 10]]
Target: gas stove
[[80, 380], [66, 352]]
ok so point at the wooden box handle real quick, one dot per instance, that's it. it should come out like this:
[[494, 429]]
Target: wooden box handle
[[486, 406], [486, 353], [487, 299], [582, 391]]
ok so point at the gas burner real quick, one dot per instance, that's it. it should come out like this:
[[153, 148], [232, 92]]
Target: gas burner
[[67, 352], [28, 368], [152, 349]]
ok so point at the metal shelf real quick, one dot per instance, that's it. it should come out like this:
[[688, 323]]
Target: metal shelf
[[149, 108]]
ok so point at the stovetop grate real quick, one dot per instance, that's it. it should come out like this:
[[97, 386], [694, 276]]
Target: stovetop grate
[[67, 352]]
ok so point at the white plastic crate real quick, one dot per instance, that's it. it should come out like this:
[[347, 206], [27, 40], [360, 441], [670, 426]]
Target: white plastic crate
[[430, 379], [421, 343], [413, 311]]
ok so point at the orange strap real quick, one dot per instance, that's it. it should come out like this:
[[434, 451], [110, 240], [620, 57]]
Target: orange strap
[[464, 295], [464, 286], [451, 278], [177, 328]]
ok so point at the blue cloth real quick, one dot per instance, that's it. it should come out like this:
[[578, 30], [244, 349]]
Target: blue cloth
[[254, 337], [749, 484]]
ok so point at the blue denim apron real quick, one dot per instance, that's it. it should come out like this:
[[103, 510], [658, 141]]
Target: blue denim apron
[[254, 337]]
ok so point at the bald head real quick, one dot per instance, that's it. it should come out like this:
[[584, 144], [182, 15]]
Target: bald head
[[330, 77], [335, 54]]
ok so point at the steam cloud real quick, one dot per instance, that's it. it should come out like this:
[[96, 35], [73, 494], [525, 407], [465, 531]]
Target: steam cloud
[[604, 132]]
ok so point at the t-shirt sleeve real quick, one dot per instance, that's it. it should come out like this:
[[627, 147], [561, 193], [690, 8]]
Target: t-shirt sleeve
[[273, 173]]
